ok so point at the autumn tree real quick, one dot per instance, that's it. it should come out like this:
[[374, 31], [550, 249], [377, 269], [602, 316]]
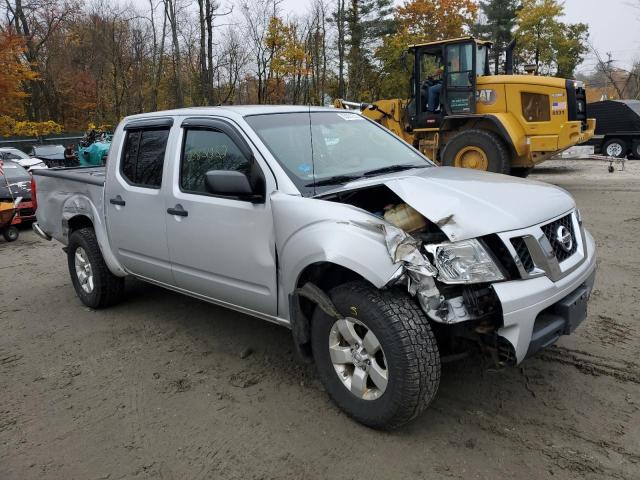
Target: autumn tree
[[550, 45], [419, 21], [287, 57], [14, 74]]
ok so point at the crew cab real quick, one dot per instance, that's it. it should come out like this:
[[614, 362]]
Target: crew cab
[[381, 263]]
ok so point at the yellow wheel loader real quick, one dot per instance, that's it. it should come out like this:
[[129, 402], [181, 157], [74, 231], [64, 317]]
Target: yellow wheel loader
[[498, 123]]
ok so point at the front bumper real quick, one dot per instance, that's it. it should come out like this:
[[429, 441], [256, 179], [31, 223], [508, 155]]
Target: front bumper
[[524, 302]]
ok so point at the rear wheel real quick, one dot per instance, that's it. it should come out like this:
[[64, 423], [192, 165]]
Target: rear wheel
[[478, 150], [615, 148], [11, 234], [95, 285], [380, 363]]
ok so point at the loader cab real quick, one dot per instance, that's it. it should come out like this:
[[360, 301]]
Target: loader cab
[[463, 60]]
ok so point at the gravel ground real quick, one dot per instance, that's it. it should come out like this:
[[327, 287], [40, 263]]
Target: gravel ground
[[161, 386]]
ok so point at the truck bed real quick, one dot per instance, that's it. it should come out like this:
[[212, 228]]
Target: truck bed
[[65, 192]]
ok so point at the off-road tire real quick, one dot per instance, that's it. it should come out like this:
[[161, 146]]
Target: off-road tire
[[108, 289], [11, 234], [494, 147], [410, 349], [623, 146]]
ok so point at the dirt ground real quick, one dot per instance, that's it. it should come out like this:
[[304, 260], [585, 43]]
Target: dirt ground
[[157, 387]]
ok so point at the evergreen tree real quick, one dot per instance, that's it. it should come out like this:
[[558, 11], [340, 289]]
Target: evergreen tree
[[500, 19], [367, 22]]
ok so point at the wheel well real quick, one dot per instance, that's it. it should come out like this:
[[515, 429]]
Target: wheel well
[[453, 126], [78, 222], [325, 276]]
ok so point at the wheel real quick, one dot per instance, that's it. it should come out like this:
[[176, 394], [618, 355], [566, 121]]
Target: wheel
[[615, 148], [636, 151], [380, 363], [522, 172], [477, 149], [96, 286], [11, 234]]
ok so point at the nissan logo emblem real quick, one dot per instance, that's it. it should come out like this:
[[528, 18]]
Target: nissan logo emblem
[[564, 238]]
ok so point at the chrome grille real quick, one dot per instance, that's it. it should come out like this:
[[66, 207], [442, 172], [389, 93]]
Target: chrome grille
[[523, 253], [550, 231]]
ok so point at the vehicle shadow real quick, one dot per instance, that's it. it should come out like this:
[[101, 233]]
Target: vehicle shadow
[[467, 388]]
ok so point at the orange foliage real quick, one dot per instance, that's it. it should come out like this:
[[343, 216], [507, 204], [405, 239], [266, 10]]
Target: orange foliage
[[13, 72], [431, 20]]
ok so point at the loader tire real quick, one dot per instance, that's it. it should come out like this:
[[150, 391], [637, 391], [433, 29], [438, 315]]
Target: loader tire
[[385, 345], [95, 285], [479, 150]]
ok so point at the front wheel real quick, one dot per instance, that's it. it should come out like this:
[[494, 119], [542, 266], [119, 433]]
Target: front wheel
[[380, 363], [479, 150], [95, 285], [11, 234]]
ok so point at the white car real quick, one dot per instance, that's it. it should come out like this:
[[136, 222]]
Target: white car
[[21, 158]]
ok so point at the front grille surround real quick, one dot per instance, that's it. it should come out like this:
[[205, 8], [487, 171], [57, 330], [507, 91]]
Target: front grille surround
[[536, 251]]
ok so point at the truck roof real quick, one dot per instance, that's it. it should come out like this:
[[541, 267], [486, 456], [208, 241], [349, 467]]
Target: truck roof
[[230, 110]]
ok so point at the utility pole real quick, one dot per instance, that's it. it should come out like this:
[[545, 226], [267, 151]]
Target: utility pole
[[605, 95]]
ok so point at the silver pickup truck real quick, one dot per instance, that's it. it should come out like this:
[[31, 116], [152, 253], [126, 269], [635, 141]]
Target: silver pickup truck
[[381, 264]]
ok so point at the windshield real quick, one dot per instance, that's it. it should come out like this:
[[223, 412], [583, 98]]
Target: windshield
[[12, 154], [13, 171], [319, 150], [48, 149], [481, 60]]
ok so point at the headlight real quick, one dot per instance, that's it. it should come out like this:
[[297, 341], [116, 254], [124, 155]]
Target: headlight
[[465, 262]]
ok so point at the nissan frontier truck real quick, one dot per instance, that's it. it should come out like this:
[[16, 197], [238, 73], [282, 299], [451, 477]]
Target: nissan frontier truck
[[381, 264]]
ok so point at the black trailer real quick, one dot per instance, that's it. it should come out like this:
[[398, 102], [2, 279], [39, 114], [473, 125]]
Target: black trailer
[[617, 128]]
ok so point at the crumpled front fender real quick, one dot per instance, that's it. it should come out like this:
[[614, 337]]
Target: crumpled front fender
[[309, 231]]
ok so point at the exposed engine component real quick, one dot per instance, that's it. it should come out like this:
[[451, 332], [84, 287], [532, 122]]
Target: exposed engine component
[[405, 217], [480, 302]]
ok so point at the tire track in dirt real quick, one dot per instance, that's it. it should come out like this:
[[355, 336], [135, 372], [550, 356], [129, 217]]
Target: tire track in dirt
[[593, 365], [572, 459]]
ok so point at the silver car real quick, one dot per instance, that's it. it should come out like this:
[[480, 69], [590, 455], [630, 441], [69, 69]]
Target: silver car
[[381, 263]]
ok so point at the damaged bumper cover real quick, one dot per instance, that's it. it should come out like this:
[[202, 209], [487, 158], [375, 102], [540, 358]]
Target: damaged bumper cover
[[525, 302]]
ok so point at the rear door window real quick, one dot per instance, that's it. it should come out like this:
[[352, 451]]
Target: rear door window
[[143, 157]]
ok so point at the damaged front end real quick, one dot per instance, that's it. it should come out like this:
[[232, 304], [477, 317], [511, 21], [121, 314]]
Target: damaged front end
[[449, 274], [470, 313], [442, 303]]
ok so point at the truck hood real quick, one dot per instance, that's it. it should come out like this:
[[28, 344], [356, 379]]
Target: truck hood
[[468, 203]]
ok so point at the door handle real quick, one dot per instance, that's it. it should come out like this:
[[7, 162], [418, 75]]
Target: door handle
[[178, 210], [117, 201]]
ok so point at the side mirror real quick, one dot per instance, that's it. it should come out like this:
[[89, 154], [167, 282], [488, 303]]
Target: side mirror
[[230, 183]]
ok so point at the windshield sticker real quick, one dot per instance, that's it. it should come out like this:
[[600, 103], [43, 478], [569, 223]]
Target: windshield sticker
[[350, 116], [305, 168]]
